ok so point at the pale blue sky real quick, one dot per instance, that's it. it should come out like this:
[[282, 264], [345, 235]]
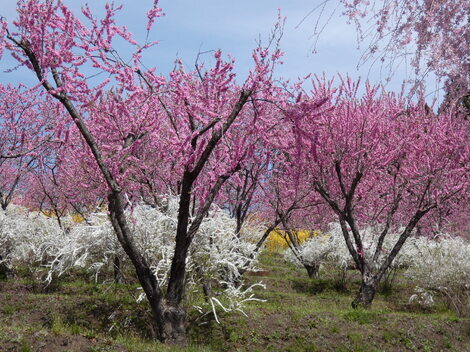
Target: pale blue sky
[[190, 26]]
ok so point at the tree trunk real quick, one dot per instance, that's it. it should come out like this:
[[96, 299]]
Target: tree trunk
[[175, 290], [168, 318], [5, 271], [313, 270], [206, 284], [118, 278], [173, 327], [169, 321], [367, 292]]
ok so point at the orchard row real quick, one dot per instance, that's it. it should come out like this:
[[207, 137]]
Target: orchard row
[[163, 155]]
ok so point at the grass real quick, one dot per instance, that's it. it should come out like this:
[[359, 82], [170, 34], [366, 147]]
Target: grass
[[299, 315], [362, 316]]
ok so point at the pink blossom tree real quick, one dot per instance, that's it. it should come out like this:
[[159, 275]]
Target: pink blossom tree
[[434, 34], [25, 131], [381, 167], [288, 202], [197, 128]]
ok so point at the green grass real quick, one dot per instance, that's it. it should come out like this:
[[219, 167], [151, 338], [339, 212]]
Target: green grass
[[299, 315], [8, 309], [362, 316], [135, 344], [25, 346]]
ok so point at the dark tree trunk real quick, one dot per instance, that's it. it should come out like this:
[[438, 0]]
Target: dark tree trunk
[[5, 271], [366, 293], [206, 284], [169, 321], [175, 290], [313, 271], [118, 277], [168, 318], [174, 325]]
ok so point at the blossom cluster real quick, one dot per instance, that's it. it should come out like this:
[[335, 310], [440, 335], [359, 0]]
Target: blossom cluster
[[217, 254]]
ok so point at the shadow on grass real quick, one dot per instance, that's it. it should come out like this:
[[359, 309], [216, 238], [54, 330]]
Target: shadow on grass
[[316, 286]]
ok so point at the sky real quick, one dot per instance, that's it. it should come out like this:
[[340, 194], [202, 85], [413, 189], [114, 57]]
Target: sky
[[191, 26]]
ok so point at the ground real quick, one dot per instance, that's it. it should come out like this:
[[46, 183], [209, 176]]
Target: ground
[[77, 314]]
